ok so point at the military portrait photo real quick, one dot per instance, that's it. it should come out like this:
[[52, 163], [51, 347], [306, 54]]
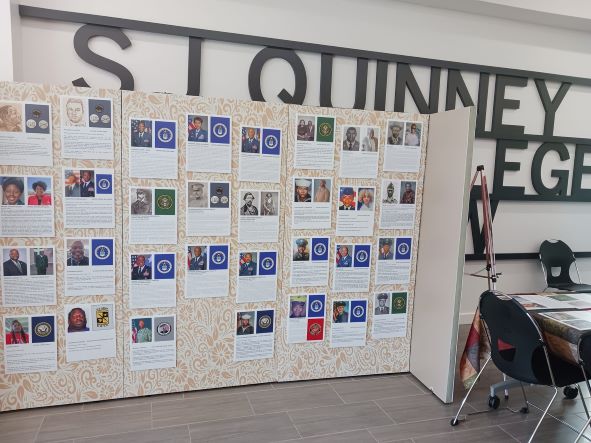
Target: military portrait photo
[[74, 111], [381, 303], [197, 258], [77, 252], [385, 249], [297, 306], [41, 261], [369, 141], [322, 190], [351, 136], [269, 203], [141, 330], [13, 264], [197, 195], [389, 193], [365, 200], [197, 128], [343, 256], [249, 203], [39, 191], [71, 183], [141, 133], [412, 136], [244, 323], [11, 117], [301, 249], [302, 190], [306, 128], [407, 192], [86, 183], [141, 201], [340, 312], [247, 265], [251, 140], [347, 199], [395, 133], [13, 189], [141, 266]]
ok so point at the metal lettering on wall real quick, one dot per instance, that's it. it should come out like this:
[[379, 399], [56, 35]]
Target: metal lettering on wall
[[508, 137]]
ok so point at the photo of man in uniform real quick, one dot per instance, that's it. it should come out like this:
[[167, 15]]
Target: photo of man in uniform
[[86, 183], [395, 133], [302, 190], [301, 253], [76, 256], [10, 118], [141, 134], [141, 331], [14, 266], [340, 312], [77, 320], [250, 140], [244, 326], [198, 129], [197, 195], [385, 249], [297, 308], [408, 193], [198, 260], [351, 141], [390, 195], [74, 112], [41, 262], [343, 258], [248, 208], [347, 199], [143, 203], [139, 270], [322, 190], [382, 306], [248, 265], [270, 204]]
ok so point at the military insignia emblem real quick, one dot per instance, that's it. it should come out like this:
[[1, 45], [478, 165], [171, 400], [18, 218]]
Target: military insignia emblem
[[268, 263], [43, 329], [320, 249], [94, 118], [219, 190], [325, 129], [224, 200], [164, 266], [43, 124], [36, 113], [264, 322], [165, 201], [361, 256], [315, 329], [102, 252], [31, 123], [402, 248], [218, 257], [215, 199], [358, 311], [104, 184], [271, 141], [164, 329], [165, 135], [220, 130], [102, 317], [105, 119], [316, 306], [399, 303]]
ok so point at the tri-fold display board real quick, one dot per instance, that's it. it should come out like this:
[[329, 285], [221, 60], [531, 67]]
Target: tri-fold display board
[[154, 243]]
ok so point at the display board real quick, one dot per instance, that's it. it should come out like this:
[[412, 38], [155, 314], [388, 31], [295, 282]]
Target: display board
[[61, 283], [201, 243]]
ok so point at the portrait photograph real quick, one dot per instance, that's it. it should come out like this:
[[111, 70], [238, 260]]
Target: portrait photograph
[[71, 183], [77, 252], [247, 264], [39, 191], [395, 134], [347, 198], [141, 201], [269, 203], [412, 134], [141, 133], [219, 195], [365, 199], [78, 320], [297, 306], [381, 303], [14, 262], [251, 140], [306, 127], [197, 128], [351, 135], [340, 311], [370, 136], [197, 258], [41, 261], [385, 249], [245, 321], [343, 257], [87, 185], [11, 117], [407, 192], [302, 190], [142, 266], [16, 330], [249, 203], [322, 190], [301, 249], [141, 330], [390, 192], [13, 191], [74, 111], [197, 194]]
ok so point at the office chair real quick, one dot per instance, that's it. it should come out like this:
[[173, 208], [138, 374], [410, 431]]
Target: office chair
[[518, 350], [584, 349], [557, 254]]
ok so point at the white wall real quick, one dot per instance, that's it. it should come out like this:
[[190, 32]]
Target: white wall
[[159, 63]]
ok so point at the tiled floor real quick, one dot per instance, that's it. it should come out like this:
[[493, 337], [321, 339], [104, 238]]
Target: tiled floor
[[384, 408]]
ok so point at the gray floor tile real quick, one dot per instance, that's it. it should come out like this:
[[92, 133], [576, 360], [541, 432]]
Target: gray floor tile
[[362, 436], [418, 408], [50, 410], [301, 397], [233, 390], [550, 430], [195, 410], [93, 423], [256, 429], [484, 435], [411, 430], [325, 420], [17, 428], [175, 434], [374, 388]]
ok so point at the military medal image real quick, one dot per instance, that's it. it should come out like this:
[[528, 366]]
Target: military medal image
[[32, 122]]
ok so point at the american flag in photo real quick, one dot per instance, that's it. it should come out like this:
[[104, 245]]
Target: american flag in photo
[[338, 255]]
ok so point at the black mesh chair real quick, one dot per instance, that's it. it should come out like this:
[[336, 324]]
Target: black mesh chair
[[518, 348], [557, 254]]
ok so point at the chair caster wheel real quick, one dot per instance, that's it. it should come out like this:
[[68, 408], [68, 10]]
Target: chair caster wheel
[[524, 410], [570, 392], [454, 422], [494, 402]]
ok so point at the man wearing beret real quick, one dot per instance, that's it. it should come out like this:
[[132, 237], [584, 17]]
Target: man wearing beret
[[301, 254], [382, 307], [245, 328]]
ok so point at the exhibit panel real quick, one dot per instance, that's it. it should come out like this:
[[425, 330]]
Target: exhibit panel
[[351, 233], [61, 244], [228, 203]]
